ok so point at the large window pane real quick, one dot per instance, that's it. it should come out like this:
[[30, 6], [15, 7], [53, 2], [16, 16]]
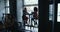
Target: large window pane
[[4, 8], [30, 8], [30, 5], [58, 13], [28, 2]]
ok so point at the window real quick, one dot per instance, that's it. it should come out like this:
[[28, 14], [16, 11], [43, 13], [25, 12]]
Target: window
[[58, 13], [7, 6], [50, 11], [29, 2], [4, 8]]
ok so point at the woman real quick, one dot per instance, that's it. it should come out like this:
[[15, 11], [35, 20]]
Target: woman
[[25, 18], [35, 15]]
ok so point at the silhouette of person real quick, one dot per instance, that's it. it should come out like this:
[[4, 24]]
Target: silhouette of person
[[25, 18], [35, 15]]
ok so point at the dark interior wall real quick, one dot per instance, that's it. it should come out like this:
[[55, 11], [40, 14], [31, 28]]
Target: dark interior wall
[[58, 1], [43, 16], [13, 7], [51, 2], [54, 0], [42, 10]]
